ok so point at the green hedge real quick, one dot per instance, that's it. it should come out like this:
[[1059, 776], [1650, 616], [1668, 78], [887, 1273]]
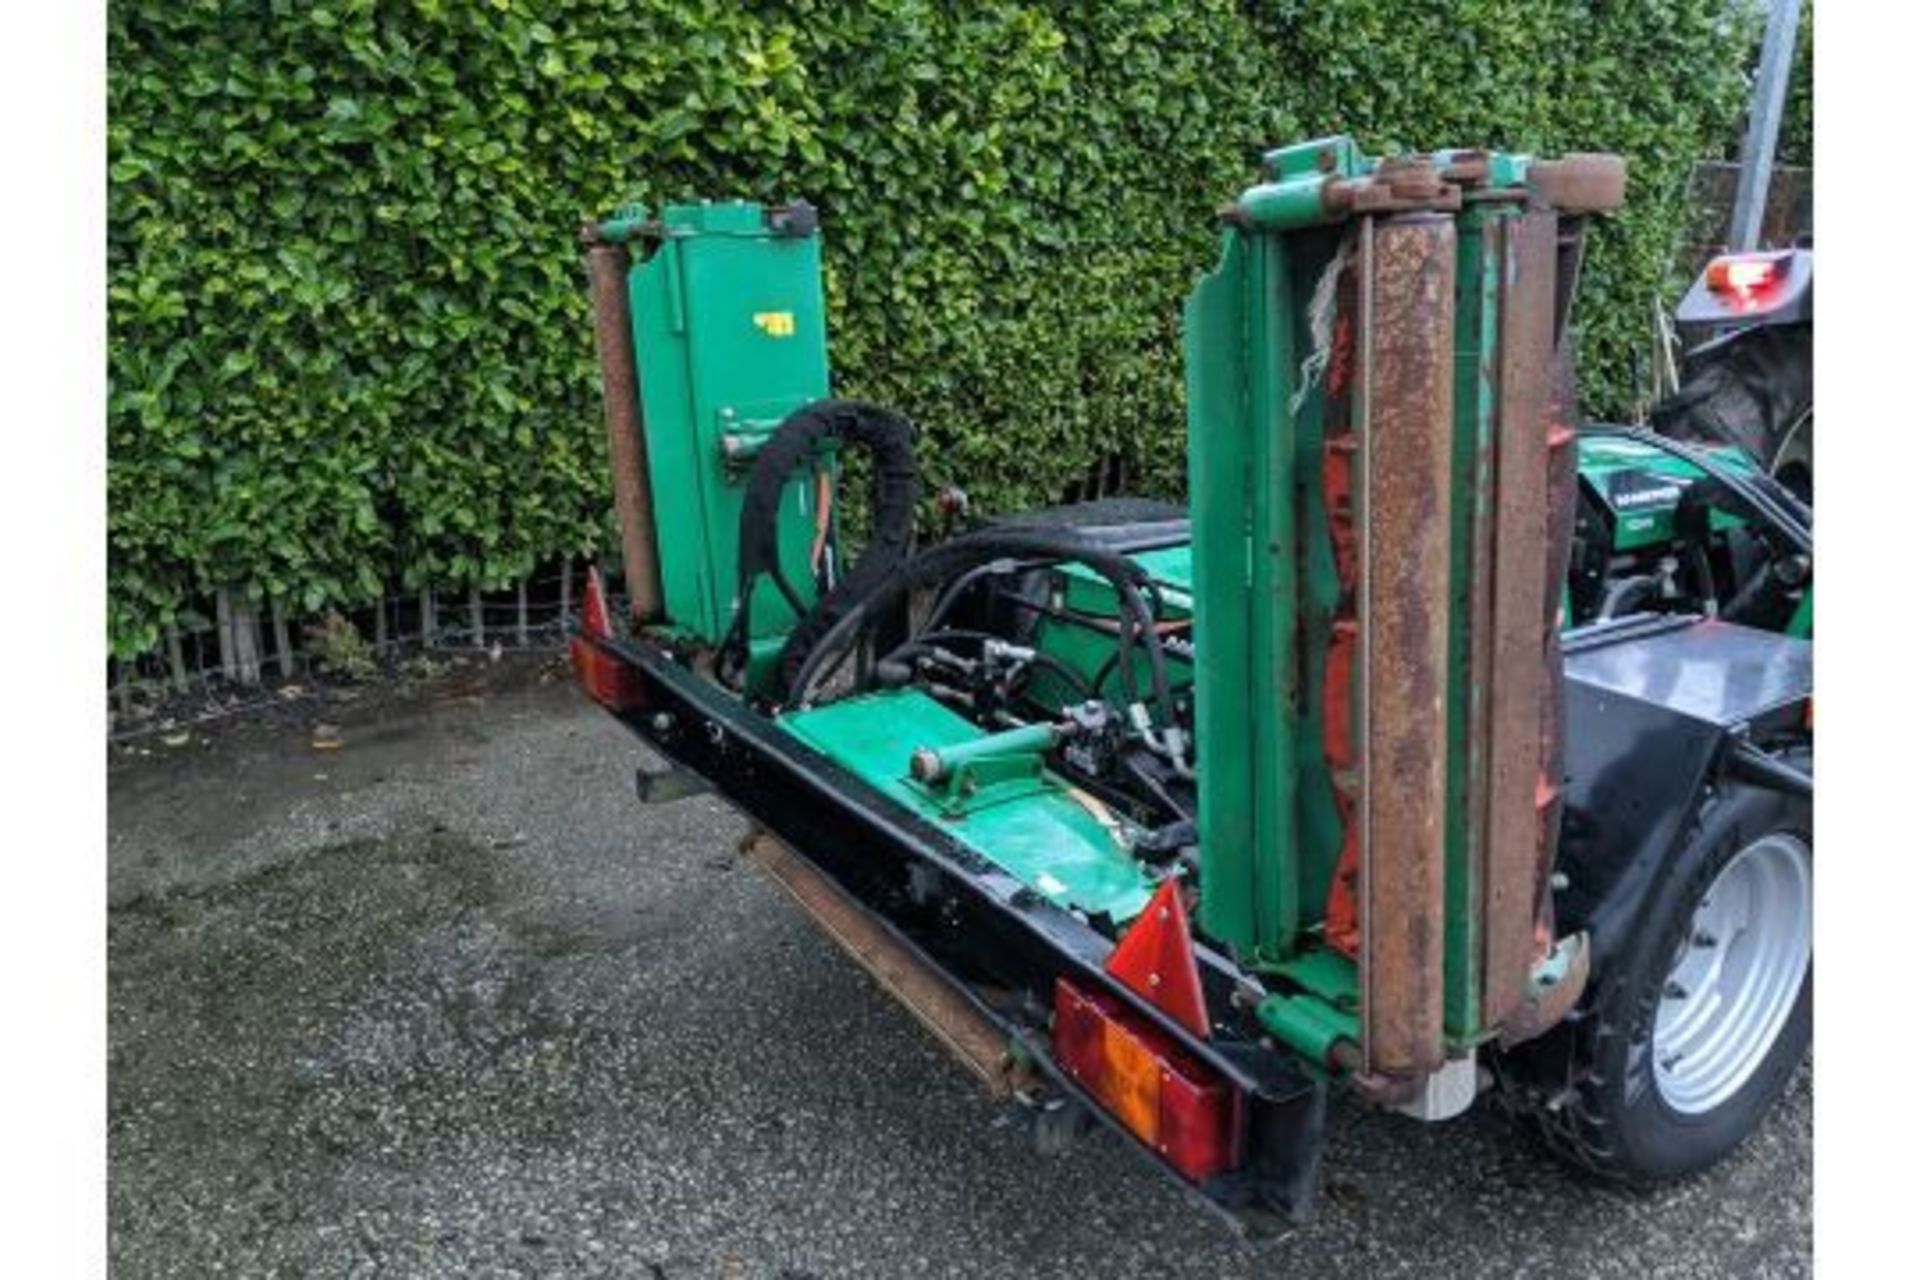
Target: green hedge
[[348, 339]]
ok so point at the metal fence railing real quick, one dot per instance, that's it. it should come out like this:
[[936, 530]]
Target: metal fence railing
[[233, 655]]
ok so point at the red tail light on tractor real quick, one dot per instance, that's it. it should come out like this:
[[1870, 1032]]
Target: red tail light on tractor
[[1746, 279]]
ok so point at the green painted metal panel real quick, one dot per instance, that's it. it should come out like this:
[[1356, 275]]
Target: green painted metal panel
[[1264, 590], [1246, 339], [730, 337], [1089, 653], [1273, 569], [1219, 462], [1475, 399], [1642, 485], [1171, 569], [1031, 827]]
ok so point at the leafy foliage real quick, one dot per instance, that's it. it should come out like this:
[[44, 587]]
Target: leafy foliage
[[349, 342]]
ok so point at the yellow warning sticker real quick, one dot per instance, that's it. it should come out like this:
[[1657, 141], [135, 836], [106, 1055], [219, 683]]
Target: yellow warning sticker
[[775, 324]]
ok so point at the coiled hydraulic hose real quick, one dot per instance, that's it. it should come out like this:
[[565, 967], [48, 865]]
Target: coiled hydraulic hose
[[801, 664], [888, 436]]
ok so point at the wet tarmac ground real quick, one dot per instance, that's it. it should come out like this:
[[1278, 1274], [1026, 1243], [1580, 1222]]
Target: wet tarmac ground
[[446, 1000]]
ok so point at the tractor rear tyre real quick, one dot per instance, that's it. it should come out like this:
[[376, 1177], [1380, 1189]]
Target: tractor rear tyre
[[1708, 1011], [1753, 390]]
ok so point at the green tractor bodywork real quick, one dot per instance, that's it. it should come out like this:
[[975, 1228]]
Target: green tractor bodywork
[[1641, 487], [1635, 489]]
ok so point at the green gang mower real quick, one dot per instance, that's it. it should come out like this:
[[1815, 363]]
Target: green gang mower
[[1437, 747]]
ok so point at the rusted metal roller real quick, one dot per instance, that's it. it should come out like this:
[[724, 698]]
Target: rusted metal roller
[[1583, 182]]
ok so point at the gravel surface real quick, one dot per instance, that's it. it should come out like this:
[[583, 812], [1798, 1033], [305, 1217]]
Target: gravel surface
[[446, 1000]]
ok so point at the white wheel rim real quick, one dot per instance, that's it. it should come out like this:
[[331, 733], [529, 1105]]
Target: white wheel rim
[[1736, 976]]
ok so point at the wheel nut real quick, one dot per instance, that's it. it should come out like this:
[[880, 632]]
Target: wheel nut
[[1705, 939], [1675, 991]]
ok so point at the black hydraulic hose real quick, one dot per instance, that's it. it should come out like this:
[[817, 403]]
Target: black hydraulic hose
[[801, 660], [950, 595], [928, 641], [1778, 507], [934, 565], [1106, 671], [1741, 607], [1772, 499], [1144, 620], [1750, 764], [1181, 812], [1106, 626], [888, 436], [1778, 503], [1623, 590]]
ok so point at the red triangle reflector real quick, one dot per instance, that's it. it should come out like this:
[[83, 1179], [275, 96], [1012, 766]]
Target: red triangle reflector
[[594, 619], [1156, 960]]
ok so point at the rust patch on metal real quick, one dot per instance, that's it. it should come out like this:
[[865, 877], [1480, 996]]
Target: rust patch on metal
[[607, 266], [1405, 502], [1580, 182], [1521, 620], [927, 994], [1399, 184], [1467, 168], [1338, 469], [1563, 496], [1545, 1007]]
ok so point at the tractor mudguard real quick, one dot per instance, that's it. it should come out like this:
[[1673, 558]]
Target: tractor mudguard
[[1656, 707]]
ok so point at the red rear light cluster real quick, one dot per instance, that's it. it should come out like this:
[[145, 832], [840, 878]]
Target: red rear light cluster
[[1744, 279], [1165, 1097]]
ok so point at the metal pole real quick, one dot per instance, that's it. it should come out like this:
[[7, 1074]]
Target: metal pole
[[607, 267], [1763, 125]]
